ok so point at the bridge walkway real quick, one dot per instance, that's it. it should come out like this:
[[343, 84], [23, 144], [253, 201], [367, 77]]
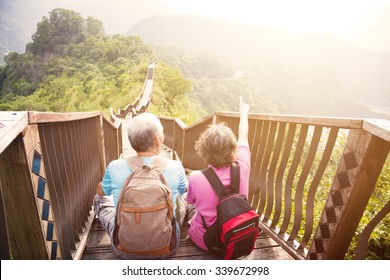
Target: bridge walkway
[[98, 246]]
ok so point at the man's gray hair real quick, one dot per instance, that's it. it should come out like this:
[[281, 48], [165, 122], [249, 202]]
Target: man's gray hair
[[142, 131]]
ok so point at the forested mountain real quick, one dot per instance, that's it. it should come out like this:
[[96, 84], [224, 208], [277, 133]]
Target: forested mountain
[[72, 65], [281, 72]]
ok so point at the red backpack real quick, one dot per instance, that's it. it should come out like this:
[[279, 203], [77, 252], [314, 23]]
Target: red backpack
[[234, 232]]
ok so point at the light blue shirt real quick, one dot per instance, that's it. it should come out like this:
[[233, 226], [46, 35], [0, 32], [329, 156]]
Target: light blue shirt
[[118, 170]]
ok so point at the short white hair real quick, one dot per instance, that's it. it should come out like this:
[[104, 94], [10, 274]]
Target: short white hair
[[142, 131]]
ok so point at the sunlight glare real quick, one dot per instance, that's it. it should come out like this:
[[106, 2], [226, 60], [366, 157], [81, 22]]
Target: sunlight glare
[[309, 16]]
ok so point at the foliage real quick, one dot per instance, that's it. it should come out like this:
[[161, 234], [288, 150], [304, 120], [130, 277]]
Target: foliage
[[71, 65], [63, 27], [172, 98]]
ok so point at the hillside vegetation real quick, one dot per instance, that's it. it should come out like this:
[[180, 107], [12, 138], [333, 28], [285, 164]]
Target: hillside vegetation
[[72, 65]]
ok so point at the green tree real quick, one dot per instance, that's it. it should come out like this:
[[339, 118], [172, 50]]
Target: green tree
[[62, 27], [173, 87], [94, 27]]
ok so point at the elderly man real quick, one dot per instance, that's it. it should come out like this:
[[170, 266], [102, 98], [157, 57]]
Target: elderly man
[[146, 137]]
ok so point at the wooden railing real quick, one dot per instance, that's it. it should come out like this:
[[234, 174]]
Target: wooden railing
[[141, 104], [181, 140], [112, 132], [50, 164], [311, 177]]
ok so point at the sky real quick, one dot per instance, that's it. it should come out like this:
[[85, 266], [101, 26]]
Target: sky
[[361, 21], [295, 15]]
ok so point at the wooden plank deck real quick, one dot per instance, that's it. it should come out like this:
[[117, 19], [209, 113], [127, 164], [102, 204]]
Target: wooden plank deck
[[99, 248], [98, 245]]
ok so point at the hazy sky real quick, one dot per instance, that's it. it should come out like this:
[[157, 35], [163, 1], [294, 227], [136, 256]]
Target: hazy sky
[[356, 20], [359, 21], [297, 15]]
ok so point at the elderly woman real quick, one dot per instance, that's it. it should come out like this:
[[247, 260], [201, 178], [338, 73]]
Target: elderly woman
[[219, 148]]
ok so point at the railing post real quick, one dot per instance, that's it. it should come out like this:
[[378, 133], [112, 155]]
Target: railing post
[[101, 145], [356, 176], [183, 151], [173, 155], [119, 139]]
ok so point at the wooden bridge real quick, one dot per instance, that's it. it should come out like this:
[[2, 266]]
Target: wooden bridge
[[50, 164]]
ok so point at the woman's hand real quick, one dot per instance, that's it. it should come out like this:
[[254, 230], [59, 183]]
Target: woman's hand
[[244, 107], [243, 125]]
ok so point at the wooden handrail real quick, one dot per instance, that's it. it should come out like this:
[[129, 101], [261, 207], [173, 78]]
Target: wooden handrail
[[8, 132], [290, 158], [379, 128], [50, 117], [181, 139], [347, 123]]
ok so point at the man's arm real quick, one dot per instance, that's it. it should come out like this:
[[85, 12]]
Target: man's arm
[[99, 189]]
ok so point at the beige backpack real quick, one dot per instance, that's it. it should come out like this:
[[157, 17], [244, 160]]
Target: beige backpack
[[145, 226]]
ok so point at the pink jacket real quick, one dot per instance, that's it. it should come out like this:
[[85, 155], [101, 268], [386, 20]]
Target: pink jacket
[[201, 194]]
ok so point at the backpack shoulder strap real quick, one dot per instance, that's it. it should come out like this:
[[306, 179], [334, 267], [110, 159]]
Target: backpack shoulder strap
[[235, 178], [159, 163], [134, 163], [216, 183]]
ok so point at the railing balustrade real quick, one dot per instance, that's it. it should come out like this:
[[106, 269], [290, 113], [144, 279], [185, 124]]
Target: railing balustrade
[[311, 177], [181, 139], [50, 166]]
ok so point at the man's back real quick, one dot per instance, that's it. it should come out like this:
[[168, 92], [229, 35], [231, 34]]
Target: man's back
[[145, 225]]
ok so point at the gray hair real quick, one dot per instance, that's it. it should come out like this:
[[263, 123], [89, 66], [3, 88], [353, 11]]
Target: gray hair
[[142, 131]]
